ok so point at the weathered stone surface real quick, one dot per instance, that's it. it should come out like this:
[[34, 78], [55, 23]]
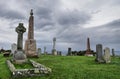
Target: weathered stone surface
[[88, 51], [59, 53], [69, 51], [54, 52], [107, 55], [30, 48], [19, 55], [30, 43], [43, 68], [38, 70], [45, 52], [20, 30], [6, 54], [113, 52], [13, 48], [10, 66], [99, 53], [39, 52]]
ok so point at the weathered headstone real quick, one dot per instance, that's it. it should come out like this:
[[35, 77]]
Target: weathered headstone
[[59, 53], [99, 54], [45, 53], [30, 43], [6, 54], [54, 52], [113, 52], [39, 51], [19, 55], [107, 58], [13, 48], [69, 51]]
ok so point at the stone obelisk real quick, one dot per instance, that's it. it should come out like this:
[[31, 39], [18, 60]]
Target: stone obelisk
[[88, 51], [30, 43]]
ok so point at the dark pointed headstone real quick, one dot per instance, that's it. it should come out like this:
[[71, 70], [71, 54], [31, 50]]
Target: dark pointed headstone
[[88, 51], [113, 52]]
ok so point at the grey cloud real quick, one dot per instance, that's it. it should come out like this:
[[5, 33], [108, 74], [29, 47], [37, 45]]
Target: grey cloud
[[108, 33], [10, 14], [114, 24], [44, 12], [102, 34], [73, 17]]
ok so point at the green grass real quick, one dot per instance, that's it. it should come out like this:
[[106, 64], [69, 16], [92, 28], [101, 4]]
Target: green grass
[[27, 65], [71, 67]]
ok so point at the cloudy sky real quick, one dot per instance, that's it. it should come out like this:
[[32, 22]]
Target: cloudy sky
[[70, 21]]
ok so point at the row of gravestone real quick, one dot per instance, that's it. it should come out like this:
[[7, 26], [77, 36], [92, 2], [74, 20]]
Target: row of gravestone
[[102, 57], [14, 48], [39, 52]]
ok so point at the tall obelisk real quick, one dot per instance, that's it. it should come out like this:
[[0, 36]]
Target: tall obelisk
[[30, 43], [88, 51]]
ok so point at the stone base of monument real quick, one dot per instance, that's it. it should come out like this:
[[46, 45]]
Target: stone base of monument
[[32, 54], [54, 52], [100, 60], [37, 70], [89, 55], [30, 48], [19, 57]]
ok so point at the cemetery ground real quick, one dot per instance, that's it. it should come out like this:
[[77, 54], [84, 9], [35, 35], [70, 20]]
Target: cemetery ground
[[69, 67]]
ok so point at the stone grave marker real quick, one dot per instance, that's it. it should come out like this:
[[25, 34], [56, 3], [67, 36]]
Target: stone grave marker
[[113, 52], [19, 55], [107, 58], [13, 48], [69, 51], [99, 53], [54, 52], [30, 43], [39, 51]]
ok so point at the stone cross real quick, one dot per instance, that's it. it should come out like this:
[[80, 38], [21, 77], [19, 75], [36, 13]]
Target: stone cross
[[19, 56], [107, 55], [99, 53], [20, 30]]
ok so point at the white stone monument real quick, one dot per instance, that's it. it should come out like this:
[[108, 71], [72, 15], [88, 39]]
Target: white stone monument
[[107, 58], [13, 48], [54, 52]]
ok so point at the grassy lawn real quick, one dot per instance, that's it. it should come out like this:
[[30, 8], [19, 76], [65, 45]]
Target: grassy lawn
[[71, 67]]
